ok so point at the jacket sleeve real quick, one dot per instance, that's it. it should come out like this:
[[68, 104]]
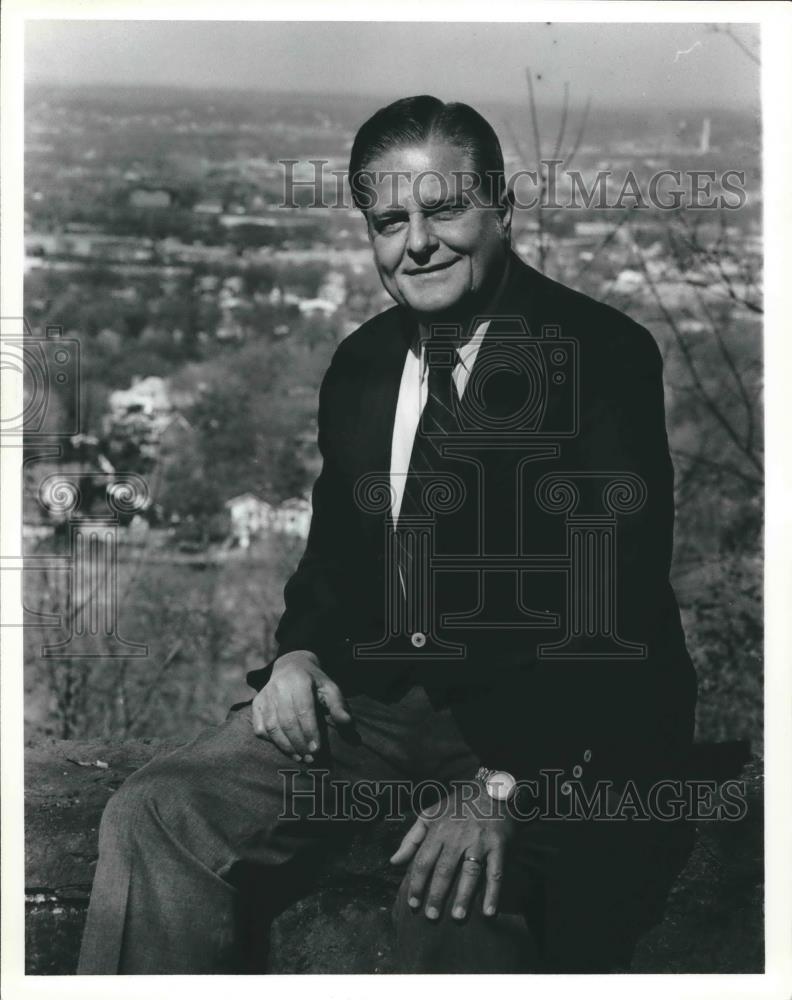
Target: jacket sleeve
[[623, 434], [313, 594]]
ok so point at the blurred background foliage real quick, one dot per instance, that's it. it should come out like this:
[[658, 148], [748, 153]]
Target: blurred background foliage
[[136, 250]]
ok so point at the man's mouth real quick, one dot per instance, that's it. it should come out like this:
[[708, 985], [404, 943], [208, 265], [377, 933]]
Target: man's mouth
[[431, 268]]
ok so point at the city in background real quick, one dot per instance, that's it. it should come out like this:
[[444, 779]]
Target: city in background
[[206, 314]]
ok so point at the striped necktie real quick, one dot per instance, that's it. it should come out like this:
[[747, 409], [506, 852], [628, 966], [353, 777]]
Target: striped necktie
[[438, 423]]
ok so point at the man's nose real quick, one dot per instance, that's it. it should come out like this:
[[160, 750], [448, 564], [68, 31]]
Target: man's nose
[[420, 238]]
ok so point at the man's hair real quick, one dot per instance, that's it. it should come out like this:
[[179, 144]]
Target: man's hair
[[413, 121]]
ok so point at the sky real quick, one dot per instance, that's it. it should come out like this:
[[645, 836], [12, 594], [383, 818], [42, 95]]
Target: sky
[[621, 65]]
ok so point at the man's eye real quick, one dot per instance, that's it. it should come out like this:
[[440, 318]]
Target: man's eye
[[388, 225], [448, 212]]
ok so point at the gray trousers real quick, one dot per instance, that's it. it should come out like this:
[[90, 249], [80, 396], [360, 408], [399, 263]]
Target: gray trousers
[[164, 899]]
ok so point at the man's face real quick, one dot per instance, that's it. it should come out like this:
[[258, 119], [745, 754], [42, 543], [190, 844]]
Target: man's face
[[436, 249]]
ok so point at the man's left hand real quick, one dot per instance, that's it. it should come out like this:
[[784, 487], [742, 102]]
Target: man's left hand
[[469, 829]]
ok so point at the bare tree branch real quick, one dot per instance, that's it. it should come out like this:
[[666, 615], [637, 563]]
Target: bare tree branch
[[540, 220], [562, 124], [726, 29], [690, 362], [146, 699], [723, 467], [579, 137]]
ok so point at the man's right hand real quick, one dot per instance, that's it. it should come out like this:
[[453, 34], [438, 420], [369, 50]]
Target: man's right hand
[[284, 710]]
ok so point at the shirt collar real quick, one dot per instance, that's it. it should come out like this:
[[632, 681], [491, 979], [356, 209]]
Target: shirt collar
[[468, 351]]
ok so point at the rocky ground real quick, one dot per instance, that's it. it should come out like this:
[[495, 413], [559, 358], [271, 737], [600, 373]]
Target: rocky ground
[[341, 921]]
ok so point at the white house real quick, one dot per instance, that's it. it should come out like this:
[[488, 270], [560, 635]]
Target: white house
[[149, 395], [292, 517], [250, 516], [311, 307]]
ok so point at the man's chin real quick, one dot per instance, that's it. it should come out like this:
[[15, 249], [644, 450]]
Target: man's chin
[[437, 307]]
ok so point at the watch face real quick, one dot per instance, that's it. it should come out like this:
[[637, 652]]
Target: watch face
[[500, 785]]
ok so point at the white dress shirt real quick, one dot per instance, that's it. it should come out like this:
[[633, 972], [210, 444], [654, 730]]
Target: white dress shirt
[[413, 392]]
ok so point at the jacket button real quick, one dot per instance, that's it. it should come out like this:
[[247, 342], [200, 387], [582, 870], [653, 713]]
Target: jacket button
[[418, 639]]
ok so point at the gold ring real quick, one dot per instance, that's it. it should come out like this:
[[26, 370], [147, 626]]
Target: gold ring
[[469, 857]]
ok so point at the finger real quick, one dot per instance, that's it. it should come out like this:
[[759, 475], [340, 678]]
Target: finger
[[259, 722], [466, 886], [265, 723], [277, 735], [330, 696], [494, 881], [411, 841], [445, 869], [304, 709], [287, 723], [421, 871]]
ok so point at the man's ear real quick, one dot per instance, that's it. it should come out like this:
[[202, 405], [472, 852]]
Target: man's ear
[[369, 226], [507, 210]]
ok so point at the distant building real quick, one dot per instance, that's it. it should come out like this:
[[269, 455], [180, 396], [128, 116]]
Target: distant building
[[310, 307], [250, 517], [141, 197], [229, 328], [242, 219], [628, 282], [209, 206], [40, 244], [292, 517], [333, 288], [192, 253], [147, 395], [594, 227]]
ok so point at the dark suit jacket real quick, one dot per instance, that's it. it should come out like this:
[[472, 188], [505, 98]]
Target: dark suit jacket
[[518, 710]]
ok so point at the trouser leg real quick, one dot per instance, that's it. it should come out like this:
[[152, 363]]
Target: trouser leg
[[503, 943], [566, 905], [162, 900], [575, 898]]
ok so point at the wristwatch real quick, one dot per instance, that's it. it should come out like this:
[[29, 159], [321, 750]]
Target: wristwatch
[[500, 785]]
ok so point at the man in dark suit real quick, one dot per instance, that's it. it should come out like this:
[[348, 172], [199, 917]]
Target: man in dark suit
[[483, 602]]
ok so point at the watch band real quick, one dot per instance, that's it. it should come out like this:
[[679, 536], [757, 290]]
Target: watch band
[[496, 790]]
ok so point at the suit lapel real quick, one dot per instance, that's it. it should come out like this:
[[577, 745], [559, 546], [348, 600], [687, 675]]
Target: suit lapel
[[499, 360], [526, 308], [381, 392]]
